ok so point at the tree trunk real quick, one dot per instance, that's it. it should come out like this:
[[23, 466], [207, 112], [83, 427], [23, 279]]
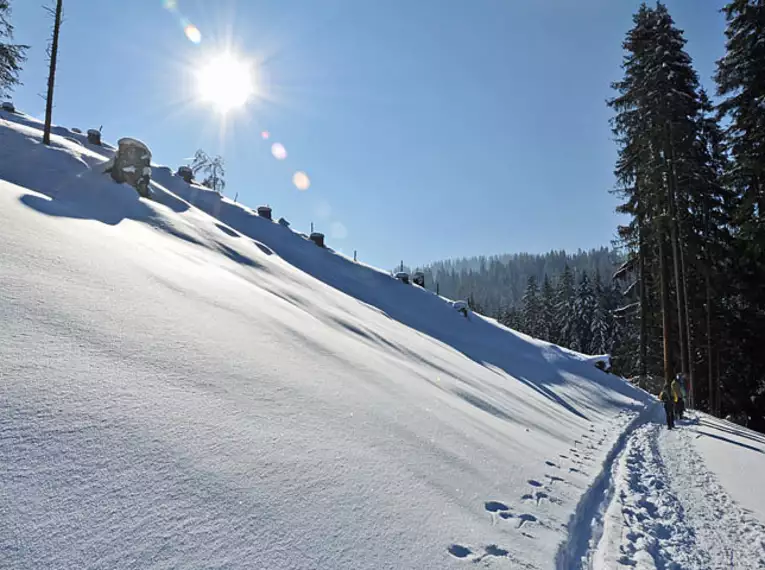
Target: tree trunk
[[718, 384], [673, 231], [665, 316], [52, 72], [710, 368], [643, 364], [689, 344]]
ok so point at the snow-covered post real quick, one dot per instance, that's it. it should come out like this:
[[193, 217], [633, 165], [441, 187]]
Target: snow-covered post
[[94, 136], [186, 173], [264, 212], [317, 238]]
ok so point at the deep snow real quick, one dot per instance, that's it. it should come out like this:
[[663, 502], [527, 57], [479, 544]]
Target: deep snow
[[197, 387]]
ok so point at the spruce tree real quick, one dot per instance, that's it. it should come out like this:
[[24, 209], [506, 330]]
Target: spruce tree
[[602, 329], [530, 308], [741, 84], [565, 314], [655, 124], [584, 314], [11, 55], [548, 326]]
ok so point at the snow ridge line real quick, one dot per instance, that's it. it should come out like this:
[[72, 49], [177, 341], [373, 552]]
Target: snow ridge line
[[585, 526]]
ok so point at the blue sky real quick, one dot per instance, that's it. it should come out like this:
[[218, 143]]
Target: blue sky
[[429, 128]]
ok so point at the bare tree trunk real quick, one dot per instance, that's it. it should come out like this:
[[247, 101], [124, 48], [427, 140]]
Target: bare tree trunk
[[673, 232], [643, 364], [718, 384], [688, 340], [52, 72], [710, 367], [665, 317]]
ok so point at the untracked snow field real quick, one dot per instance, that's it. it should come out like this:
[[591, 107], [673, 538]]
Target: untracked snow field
[[186, 385]]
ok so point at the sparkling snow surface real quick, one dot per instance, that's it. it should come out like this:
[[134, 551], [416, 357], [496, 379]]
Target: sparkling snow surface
[[197, 387]]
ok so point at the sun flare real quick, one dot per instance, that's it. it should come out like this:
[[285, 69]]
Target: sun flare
[[226, 82]]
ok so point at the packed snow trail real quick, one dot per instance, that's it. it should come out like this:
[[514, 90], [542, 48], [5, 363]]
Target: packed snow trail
[[666, 510]]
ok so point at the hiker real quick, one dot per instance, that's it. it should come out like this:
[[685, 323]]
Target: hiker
[[678, 389], [669, 406]]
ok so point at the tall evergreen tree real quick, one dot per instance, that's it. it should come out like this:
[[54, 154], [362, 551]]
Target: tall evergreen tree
[[548, 326], [530, 311], [741, 84], [565, 312], [655, 124], [602, 328], [12, 56], [584, 314]]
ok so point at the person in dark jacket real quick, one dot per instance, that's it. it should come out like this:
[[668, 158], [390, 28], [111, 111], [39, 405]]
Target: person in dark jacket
[[666, 397]]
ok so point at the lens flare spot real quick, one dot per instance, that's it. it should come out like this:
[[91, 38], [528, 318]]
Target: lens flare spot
[[301, 180], [170, 4], [338, 230], [193, 33], [278, 150], [266, 135]]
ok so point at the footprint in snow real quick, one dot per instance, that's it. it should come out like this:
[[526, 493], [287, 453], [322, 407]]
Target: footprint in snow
[[463, 552], [550, 464], [526, 518], [459, 551], [534, 483], [494, 550], [538, 497], [495, 506], [554, 478]]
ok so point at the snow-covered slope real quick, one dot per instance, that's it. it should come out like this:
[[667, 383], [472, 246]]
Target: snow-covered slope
[[179, 390]]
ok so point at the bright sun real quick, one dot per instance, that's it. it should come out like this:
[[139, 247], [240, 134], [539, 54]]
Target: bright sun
[[226, 82]]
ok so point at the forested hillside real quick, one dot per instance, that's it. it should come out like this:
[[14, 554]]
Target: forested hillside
[[569, 299], [497, 283]]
